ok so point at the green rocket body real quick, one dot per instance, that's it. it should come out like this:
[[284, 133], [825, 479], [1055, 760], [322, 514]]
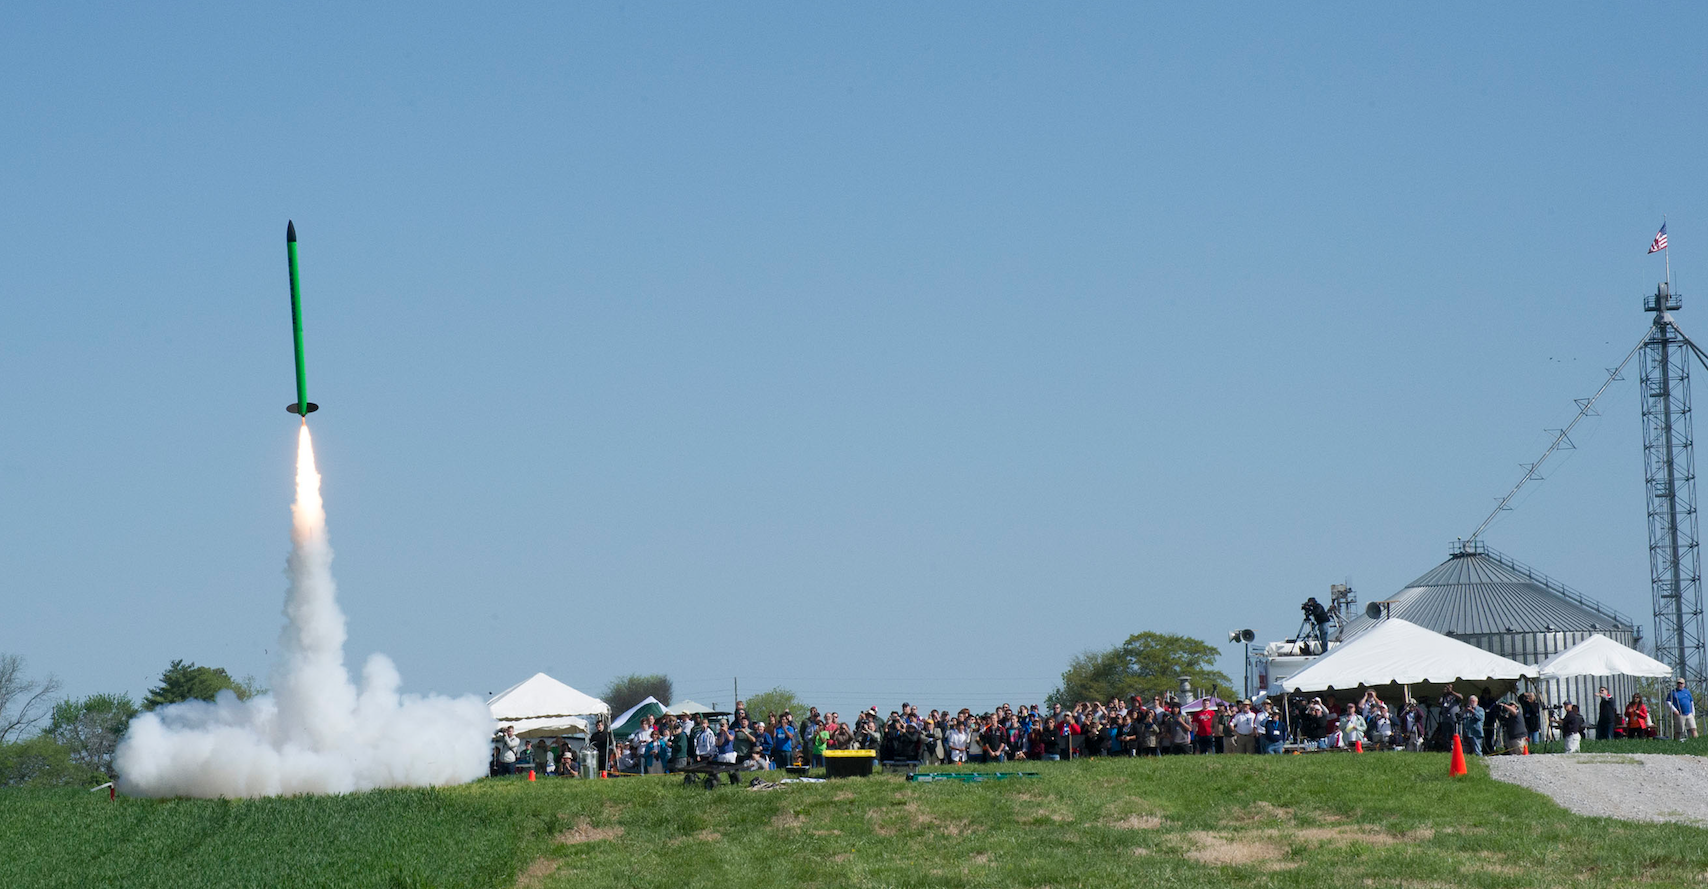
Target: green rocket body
[[302, 406]]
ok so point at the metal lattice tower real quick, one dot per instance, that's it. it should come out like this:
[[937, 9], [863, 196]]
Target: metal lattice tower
[[1669, 467]]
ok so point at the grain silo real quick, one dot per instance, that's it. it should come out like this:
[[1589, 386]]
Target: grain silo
[[1486, 599]]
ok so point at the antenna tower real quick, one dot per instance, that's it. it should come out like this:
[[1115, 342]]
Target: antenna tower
[[1669, 469]]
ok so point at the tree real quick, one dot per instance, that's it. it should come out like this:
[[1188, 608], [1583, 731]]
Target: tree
[[626, 691], [90, 729], [1146, 664], [24, 702], [186, 682], [775, 701], [42, 762]]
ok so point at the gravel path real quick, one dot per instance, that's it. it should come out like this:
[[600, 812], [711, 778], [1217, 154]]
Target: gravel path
[[1635, 787]]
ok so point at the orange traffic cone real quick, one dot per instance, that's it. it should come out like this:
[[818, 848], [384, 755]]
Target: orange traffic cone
[[1456, 766], [530, 774], [1358, 746], [603, 775], [1524, 747]]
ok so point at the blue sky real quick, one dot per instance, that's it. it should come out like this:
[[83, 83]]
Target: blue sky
[[882, 353]]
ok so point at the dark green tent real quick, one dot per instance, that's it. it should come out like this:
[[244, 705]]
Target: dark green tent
[[629, 722]]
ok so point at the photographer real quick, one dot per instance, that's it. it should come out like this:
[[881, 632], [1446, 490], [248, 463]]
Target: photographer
[[601, 740], [509, 747], [1532, 716], [1471, 727], [1571, 728], [1512, 724]]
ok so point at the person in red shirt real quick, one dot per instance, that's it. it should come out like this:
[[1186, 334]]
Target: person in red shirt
[[1203, 724], [1637, 718]]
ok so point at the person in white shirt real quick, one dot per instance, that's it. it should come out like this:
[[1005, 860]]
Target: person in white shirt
[[641, 740], [1246, 726], [957, 740]]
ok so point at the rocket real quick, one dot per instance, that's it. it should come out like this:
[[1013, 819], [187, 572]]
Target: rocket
[[302, 406]]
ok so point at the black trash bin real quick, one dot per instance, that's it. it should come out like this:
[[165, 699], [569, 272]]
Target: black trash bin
[[849, 763]]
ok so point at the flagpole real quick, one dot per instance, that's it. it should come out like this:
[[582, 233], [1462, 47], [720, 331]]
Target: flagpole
[[1668, 257]]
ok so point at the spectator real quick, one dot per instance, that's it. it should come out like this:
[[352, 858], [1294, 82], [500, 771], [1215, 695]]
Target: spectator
[[679, 748], [601, 740], [1513, 726], [1380, 726], [1606, 715], [1314, 724], [1571, 728], [957, 740], [1351, 728], [725, 741], [783, 741], [1471, 727], [704, 742], [1224, 728], [820, 742], [1204, 729], [1245, 728], [1413, 722], [1274, 729], [1180, 732], [509, 747], [642, 739], [1683, 709], [1532, 716], [1637, 718], [994, 741]]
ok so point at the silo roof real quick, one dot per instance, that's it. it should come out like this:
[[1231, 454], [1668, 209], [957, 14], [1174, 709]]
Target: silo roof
[[1475, 593]]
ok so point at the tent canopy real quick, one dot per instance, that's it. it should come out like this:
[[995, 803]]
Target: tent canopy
[[694, 707], [1399, 652], [1601, 656], [541, 706], [629, 722], [1202, 704]]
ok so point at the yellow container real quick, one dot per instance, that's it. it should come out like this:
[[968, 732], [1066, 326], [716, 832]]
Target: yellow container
[[849, 763]]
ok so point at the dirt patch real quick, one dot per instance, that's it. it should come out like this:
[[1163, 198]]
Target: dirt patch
[[917, 818], [844, 796], [708, 836], [1267, 848], [980, 858], [585, 832], [1139, 822], [827, 833], [537, 872], [1228, 850], [787, 820], [1141, 851], [1374, 836], [1260, 811]]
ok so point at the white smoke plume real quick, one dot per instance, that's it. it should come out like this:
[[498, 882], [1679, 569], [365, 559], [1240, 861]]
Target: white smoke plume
[[314, 732]]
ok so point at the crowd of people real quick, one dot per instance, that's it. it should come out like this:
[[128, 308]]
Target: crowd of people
[[1160, 726]]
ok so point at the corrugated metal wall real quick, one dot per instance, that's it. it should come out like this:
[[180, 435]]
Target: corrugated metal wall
[[1534, 648]]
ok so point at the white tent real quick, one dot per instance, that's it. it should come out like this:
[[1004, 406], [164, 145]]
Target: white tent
[[542, 706], [1399, 652], [1601, 656], [690, 708]]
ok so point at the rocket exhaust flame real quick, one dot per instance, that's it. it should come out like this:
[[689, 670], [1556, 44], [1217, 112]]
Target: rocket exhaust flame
[[315, 732]]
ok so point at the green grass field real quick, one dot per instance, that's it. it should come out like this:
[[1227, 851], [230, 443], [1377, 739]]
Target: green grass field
[[1307, 821]]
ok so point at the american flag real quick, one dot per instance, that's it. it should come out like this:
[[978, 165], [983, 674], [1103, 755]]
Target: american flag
[[1660, 240]]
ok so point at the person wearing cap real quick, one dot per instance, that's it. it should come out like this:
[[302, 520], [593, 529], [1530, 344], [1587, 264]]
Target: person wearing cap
[[1571, 728], [1683, 708], [1245, 725]]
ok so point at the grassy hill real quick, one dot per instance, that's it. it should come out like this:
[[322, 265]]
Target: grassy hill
[[1315, 821]]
